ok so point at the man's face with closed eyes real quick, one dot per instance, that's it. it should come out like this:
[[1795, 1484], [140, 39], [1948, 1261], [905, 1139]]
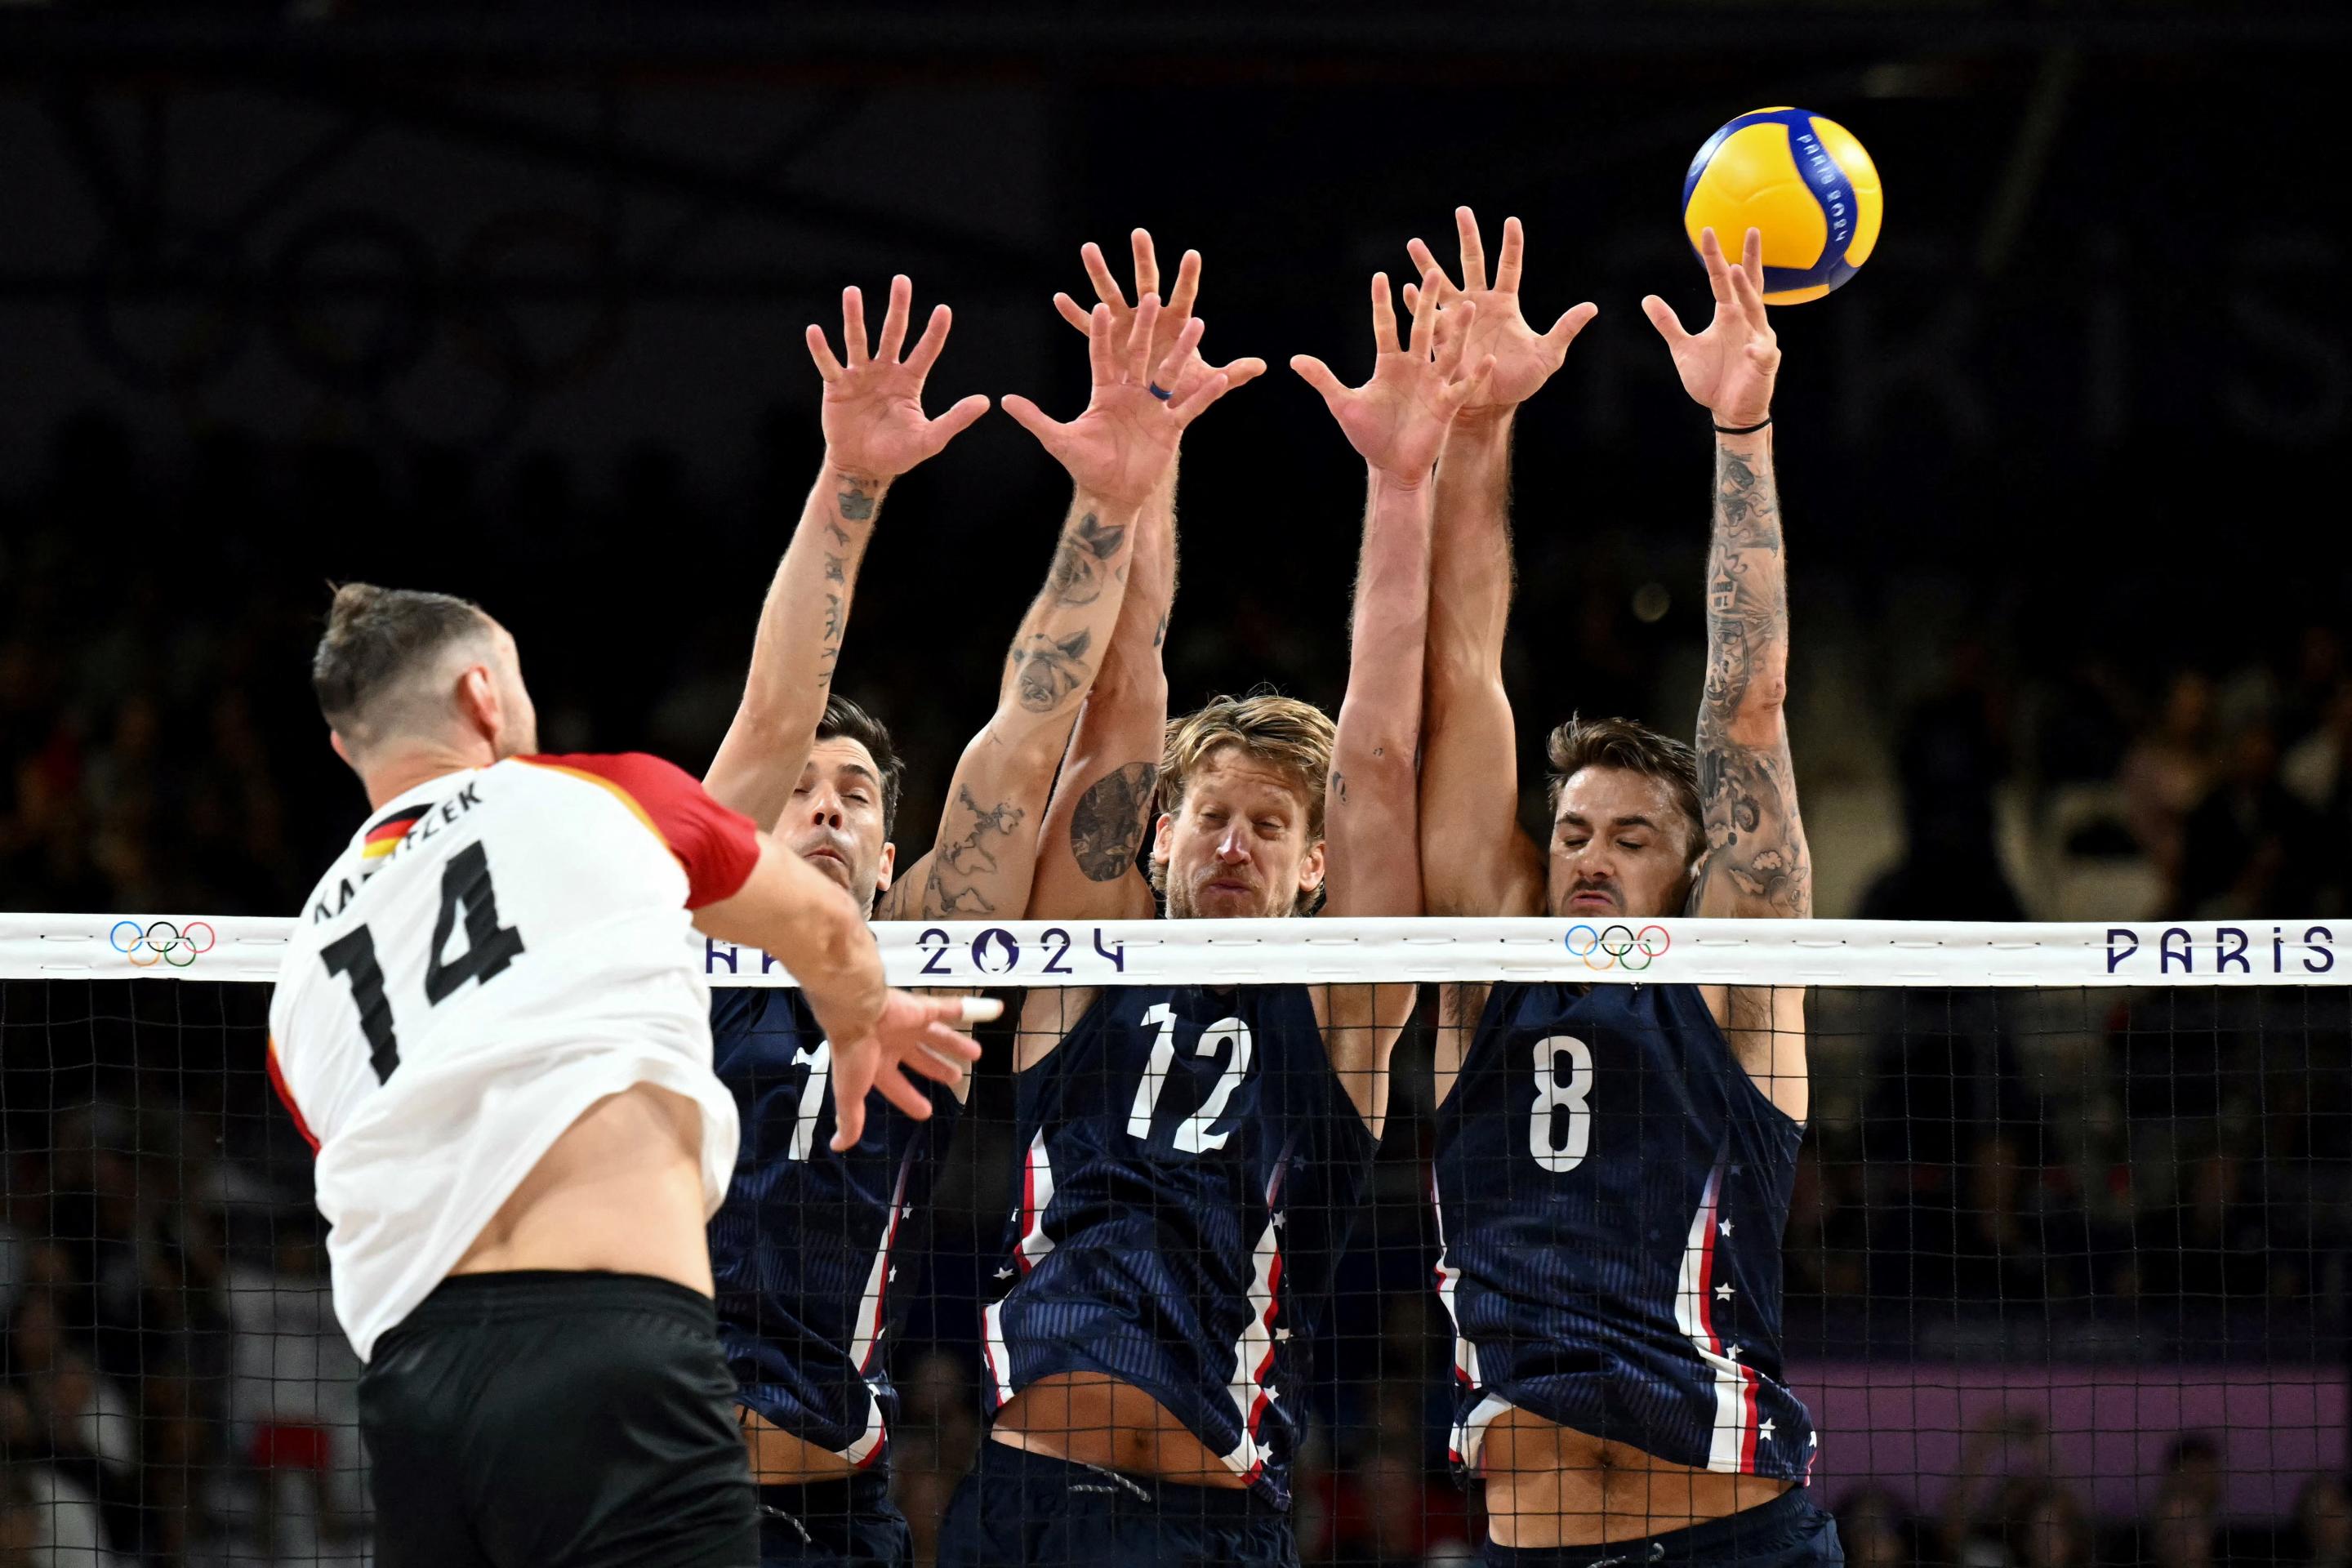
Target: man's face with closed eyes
[[836, 820]]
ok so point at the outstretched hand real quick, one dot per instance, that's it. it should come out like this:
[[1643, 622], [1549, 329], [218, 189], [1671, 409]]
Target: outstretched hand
[[913, 1032], [1729, 368], [1118, 448], [1398, 420], [873, 407], [1173, 315], [1524, 358]]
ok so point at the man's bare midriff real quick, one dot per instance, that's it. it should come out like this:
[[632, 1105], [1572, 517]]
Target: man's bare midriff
[[620, 1191], [781, 1460], [1550, 1486], [1088, 1418]]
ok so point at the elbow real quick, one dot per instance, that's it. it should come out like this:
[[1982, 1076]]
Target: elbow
[[1381, 761]]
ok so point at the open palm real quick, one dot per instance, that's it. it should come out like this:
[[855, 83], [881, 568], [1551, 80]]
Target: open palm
[[1398, 420], [1118, 448], [1728, 368], [1192, 372], [1524, 358], [872, 410]]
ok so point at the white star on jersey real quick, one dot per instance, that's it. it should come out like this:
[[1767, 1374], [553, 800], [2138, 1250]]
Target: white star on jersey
[[1766, 1429], [1724, 1227], [1723, 1292]]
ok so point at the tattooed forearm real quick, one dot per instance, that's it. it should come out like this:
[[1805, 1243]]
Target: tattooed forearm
[[1747, 587], [1046, 672], [1077, 576], [1756, 860], [856, 501], [960, 861], [1107, 826]]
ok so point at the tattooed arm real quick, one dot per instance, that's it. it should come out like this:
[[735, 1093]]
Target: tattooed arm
[[1085, 854], [875, 430], [1109, 782], [1755, 860], [980, 864]]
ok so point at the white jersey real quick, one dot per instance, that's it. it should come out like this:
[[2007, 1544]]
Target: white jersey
[[496, 950]]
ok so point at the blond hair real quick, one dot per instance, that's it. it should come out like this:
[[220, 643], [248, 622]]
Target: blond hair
[[1280, 731]]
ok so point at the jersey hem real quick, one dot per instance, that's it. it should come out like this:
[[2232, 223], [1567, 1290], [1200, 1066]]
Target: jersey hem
[[422, 1278]]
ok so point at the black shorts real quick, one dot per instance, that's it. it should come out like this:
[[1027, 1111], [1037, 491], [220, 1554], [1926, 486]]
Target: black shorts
[[1020, 1507], [573, 1420], [1790, 1532], [847, 1523]]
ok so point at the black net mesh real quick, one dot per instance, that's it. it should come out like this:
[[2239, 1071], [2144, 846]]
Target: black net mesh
[[2063, 1275]]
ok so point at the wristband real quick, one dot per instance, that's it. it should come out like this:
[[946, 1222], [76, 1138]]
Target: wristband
[[1743, 429]]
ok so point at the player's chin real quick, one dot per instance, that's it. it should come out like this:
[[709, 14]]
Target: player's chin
[[836, 869], [1229, 901]]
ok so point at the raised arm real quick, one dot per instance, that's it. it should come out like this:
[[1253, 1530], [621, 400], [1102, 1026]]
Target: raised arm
[[1756, 861], [982, 862], [1477, 859], [1397, 422], [1087, 853], [875, 430]]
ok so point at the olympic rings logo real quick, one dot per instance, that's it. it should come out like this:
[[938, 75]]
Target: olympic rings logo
[[1619, 946], [162, 942]]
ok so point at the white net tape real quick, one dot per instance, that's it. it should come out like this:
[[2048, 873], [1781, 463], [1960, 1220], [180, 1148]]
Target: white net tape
[[1664, 952]]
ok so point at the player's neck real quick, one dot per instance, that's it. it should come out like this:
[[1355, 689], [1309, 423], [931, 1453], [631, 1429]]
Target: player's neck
[[389, 777]]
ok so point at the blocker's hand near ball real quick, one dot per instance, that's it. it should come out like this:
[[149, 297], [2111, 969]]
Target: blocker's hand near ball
[[1524, 358], [1398, 420], [1729, 368], [1173, 314], [1118, 448], [873, 406]]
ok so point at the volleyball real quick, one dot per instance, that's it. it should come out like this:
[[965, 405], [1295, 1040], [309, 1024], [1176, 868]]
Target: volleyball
[[1805, 182]]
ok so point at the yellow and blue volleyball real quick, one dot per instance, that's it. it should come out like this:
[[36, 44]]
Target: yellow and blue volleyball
[[1805, 182]]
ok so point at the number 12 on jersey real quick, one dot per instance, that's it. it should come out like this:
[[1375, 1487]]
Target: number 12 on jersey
[[1192, 1134], [1558, 1142]]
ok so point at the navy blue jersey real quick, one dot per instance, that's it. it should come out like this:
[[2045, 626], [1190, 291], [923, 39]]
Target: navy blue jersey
[[804, 1249], [1191, 1166], [1611, 1189]]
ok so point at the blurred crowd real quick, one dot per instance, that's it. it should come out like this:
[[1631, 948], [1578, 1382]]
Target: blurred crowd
[[159, 748]]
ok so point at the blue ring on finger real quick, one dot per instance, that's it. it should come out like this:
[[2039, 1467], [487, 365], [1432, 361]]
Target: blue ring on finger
[[1157, 392]]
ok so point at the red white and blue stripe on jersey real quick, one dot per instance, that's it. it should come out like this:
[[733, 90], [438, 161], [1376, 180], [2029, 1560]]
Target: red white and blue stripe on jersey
[[1630, 1291], [1191, 1166], [807, 1252]]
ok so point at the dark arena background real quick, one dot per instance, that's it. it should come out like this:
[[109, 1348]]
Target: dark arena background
[[507, 300]]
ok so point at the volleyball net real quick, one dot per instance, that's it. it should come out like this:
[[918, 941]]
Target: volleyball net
[[2062, 1277]]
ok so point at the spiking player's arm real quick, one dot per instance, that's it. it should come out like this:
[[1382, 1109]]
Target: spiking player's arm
[[875, 430], [789, 908], [1756, 861], [1476, 859], [1109, 778]]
